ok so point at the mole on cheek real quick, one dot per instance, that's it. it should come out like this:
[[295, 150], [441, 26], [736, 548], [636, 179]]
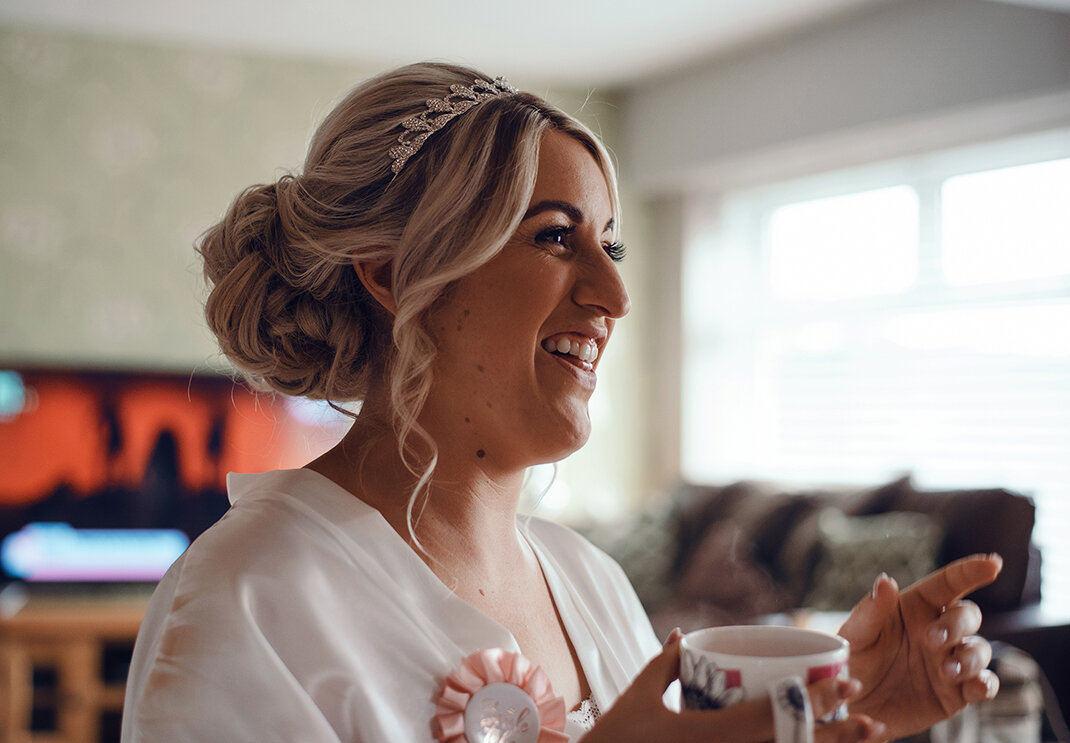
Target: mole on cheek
[[480, 453]]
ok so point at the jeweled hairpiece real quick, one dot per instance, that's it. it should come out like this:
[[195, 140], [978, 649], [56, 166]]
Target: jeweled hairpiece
[[440, 111]]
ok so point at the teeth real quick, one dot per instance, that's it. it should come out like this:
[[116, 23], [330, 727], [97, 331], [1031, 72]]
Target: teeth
[[585, 350]]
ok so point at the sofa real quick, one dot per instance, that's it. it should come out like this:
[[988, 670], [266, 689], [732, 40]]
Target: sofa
[[754, 551]]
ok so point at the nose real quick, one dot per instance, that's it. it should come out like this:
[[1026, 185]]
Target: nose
[[601, 288]]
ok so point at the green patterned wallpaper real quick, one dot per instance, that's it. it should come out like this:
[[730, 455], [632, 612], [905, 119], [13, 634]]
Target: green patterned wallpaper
[[114, 156]]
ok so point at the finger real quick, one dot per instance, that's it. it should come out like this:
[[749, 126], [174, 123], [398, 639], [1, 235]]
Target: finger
[[854, 729], [826, 696], [662, 670], [969, 658], [752, 720], [867, 620], [958, 621], [981, 688], [961, 577]]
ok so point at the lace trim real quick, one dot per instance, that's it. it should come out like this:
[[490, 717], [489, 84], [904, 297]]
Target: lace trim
[[586, 715]]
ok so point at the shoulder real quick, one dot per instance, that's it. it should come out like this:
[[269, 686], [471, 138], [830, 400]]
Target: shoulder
[[263, 607], [286, 536], [285, 521]]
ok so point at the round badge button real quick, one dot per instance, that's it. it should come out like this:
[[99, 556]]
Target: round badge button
[[501, 713]]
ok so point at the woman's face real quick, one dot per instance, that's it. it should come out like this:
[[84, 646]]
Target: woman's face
[[520, 338]]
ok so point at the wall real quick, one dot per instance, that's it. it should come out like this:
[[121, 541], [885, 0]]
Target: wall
[[115, 157], [897, 61], [879, 82]]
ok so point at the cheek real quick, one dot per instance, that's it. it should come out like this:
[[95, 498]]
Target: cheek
[[489, 346], [500, 315]]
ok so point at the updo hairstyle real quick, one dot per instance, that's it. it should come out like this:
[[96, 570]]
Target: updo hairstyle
[[286, 303]]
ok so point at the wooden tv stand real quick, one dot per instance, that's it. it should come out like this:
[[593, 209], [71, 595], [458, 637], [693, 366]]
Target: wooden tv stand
[[64, 643]]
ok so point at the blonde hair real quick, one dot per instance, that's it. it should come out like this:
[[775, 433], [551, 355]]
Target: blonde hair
[[286, 304]]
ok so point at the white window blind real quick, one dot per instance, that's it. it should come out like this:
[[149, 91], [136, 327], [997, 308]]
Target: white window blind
[[914, 317]]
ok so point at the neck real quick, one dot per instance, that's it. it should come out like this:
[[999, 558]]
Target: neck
[[465, 520]]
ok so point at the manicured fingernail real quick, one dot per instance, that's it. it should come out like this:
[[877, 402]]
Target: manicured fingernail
[[990, 687], [876, 583], [937, 636], [952, 669]]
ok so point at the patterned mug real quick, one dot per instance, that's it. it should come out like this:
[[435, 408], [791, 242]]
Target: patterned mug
[[720, 666]]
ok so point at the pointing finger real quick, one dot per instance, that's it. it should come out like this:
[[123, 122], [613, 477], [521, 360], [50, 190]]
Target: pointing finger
[[952, 582]]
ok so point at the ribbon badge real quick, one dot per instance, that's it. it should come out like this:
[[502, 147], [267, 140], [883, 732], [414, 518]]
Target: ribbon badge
[[498, 697]]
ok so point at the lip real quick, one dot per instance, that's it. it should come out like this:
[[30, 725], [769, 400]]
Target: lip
[[580, 332], [586, 378]]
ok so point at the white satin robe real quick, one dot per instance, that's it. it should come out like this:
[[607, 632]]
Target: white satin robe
[[302, 617]]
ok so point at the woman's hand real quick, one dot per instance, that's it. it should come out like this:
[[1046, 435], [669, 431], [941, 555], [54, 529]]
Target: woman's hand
[[640, 715], [915, 652]]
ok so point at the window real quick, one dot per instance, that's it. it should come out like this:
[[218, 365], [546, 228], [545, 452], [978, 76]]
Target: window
[[854, 245], [911, 317], [1006, 224]]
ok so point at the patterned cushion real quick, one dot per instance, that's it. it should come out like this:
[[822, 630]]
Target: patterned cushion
[[854, 550], [723, 571]]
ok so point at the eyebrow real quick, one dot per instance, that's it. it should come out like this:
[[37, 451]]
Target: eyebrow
[[569, 210]]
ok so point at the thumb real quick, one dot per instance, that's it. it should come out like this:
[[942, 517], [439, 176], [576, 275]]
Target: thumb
[[662, 670], [868, 618]]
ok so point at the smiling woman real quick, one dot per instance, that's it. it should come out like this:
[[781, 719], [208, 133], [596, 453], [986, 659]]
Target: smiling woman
[[448, 258]]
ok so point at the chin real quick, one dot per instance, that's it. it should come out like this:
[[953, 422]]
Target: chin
[[568, 443]]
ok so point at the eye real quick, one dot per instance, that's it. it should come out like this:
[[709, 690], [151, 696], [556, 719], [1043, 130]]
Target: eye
[[616, 251], [555, 236]]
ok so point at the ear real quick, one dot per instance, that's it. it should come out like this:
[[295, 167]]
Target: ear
[[378, 280]]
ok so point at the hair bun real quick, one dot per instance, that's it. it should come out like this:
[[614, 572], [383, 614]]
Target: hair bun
[[283, 315]]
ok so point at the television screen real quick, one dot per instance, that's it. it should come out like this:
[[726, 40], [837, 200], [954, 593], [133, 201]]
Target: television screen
[[109, 475]]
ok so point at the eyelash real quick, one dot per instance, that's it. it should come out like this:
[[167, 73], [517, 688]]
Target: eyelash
[[616, 251], [558, 236]]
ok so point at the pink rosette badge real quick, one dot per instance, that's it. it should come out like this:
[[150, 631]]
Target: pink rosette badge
[[498, 697]]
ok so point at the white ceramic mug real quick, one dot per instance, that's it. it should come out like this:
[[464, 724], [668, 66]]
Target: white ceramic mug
[[720, 666]]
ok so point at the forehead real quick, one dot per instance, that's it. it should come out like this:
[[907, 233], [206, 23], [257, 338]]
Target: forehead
[[568, 171]]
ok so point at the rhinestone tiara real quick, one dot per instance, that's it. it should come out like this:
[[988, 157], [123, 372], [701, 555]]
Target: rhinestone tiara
[[440, 111]]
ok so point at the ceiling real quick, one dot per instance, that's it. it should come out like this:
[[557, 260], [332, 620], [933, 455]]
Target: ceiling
[[595, 42], [592, 42]]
